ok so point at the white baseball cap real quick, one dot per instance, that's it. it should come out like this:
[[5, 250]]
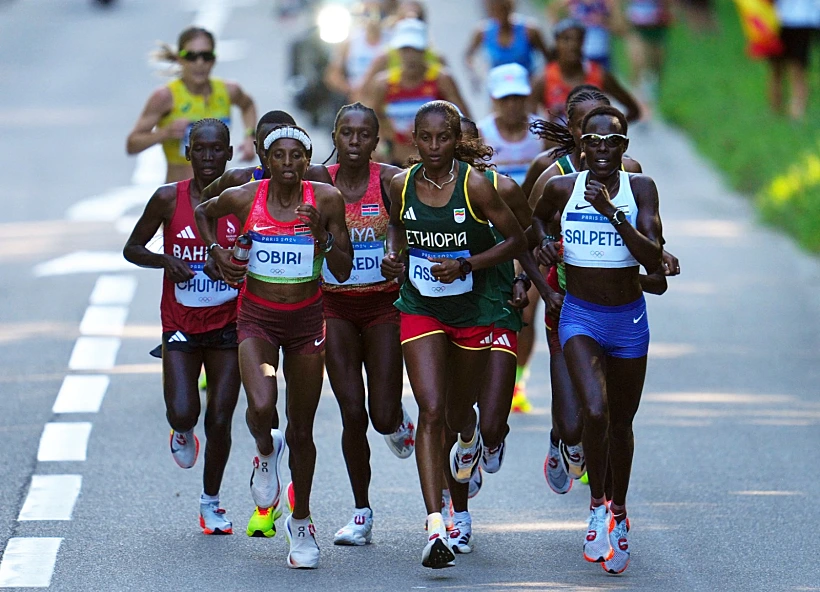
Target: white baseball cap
[[509, 79], [409, 33]]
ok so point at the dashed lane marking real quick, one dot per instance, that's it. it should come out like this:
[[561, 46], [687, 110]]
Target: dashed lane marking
[[94, 353], [64, 442], [81, 394], [104, 320], [28, 562], [114, 289], [51, 497]]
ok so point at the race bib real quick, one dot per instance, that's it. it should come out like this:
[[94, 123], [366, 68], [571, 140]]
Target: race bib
[[367, 260], [422, 278], [201, 291], [281, 258]]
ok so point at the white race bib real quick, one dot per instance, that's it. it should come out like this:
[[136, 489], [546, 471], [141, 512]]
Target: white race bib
[[422, 278], [367, 261], [281, 258], [201, 291]]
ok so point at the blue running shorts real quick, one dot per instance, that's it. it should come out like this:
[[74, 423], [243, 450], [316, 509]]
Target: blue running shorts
[[622, 331]]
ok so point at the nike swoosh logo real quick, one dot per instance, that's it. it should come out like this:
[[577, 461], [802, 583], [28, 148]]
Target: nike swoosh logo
[[580, 207], [257, 228], [639, 318], [319, 342]]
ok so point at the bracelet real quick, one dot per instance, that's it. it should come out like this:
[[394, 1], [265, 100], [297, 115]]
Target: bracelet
[[328, 244], [211, 248], [523, 277]]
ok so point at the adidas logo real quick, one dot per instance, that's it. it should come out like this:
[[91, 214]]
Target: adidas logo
[[410, 214], [178, 336], [487, 340], [503, 340], [186, 232]]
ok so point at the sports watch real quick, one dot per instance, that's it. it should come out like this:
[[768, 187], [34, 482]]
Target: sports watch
[[464, 266], [328, 244], [618, 218]]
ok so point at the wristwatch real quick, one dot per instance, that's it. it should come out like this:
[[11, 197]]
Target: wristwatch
[[524, 278], [618, 218], [328, 244], [465, 267], [211, 248]]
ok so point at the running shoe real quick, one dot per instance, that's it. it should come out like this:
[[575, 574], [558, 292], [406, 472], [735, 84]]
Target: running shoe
[[476, 481], [557, 476], [263, 522], [203, 382], [620, 545], [597, 547], [304, 550], [184, 448], [212, 519], [585, 479], [520, 402], [359, 531], [573, 457], [402, 442], [464, 457], [491, 458], [437, 553], [266, 484], [447, 509], [461, 536]]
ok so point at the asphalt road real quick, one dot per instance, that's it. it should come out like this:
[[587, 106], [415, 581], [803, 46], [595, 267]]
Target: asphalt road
[[725, 465]]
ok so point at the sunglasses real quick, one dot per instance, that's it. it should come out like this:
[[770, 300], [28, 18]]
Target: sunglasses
[[192, 56], [611, 140]]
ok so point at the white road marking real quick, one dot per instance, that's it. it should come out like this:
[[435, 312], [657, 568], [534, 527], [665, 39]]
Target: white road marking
[[103, 320], [64, 442], [81, 394], [94, 353], [51, 497], [112, 204], [114, 289], [83, 262], [28, 562]]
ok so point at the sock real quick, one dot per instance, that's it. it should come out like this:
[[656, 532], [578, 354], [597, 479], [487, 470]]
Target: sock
[[462, 517], [435, 520], [208, 499], [618, 512]]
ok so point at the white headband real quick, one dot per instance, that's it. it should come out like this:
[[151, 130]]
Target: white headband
[[287, 132]]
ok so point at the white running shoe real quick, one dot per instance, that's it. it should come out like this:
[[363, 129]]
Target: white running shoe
[[557, 476], [266, 484], [437, 553], [447, 509], [402, 442], [184, 448], [212, 519], [304, 550], [574, 462], [359, 531], [491, 458], [620, 545], [464, 457], [461, 536], [476, 481], [597, 547]]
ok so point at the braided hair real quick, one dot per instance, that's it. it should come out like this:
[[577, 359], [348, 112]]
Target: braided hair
[[609, 111], [357, 106], [208, 122], [470, 150], [559, 133]]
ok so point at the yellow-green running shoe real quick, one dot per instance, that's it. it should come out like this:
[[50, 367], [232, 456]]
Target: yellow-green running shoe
[[263, 522], [203, 381], [585, 479]]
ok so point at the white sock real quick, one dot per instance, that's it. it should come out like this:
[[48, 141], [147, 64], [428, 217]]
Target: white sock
[[365, 511], [462, 517], [208, 499]]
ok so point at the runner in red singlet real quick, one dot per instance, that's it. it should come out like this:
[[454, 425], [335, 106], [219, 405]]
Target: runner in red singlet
[[198, 313]]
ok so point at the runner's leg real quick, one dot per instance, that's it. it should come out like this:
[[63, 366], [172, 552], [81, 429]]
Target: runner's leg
[[180, 372], [258, 363], [222, 368]]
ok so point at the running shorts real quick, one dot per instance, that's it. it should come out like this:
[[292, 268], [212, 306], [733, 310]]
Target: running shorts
[[298, 328], [224, 338], [363, 309], [622, 331], [505, 340], [417, 326], [796, 43]]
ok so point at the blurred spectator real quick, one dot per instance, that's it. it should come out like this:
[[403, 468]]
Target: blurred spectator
[[649, 28], [599, 17], [799, 26]]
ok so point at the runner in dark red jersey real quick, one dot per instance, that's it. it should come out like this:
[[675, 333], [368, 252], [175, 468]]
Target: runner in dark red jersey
[[198, 312]]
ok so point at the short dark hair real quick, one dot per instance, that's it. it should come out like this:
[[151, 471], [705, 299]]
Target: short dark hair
[[607, 110], [275, 118], [211, 122]]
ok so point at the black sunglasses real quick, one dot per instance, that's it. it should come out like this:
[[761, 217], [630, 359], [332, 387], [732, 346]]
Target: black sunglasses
[[192, 56], [611, 140]]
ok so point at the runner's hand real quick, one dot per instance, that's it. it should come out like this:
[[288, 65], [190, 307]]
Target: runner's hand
[[177, 271], [519, 299], [597, 195], [671, 265], [447, 271], [177, 129], [211, 269], [392, 267], [554, 303], [246, 151], [310, 216], [232, 273], [548, 254]]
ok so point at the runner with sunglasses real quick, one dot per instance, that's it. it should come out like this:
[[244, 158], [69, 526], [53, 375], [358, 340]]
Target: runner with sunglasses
[[198, 313], [362, 321], [611, 227], [440, 234], [172, 108], [294, 225]]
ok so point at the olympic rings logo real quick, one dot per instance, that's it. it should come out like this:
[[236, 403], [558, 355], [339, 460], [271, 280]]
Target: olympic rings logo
[[354, 278], [438, 289], [205, 299], [277, 271], [597, 254]]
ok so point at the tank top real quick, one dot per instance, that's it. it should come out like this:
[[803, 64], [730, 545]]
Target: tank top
[[511, 158], [367, 221], [452, 231], [200, 304], [519, 51], [193, 107], [590, 239], [556, 89], [360, 54], [282, 252], [402, 104], [504, 276], [594, 14], [647, 13]]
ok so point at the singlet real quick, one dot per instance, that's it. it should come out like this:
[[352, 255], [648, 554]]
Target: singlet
[[519, 51], [647, 13], [282, 252], [590, 239], [511, 158], [556, 89], [430, 58], [360, 54], [452, 231], [594, 15], [504, 276], [402, 104], [193, 107], [367, 221], [200, 304]]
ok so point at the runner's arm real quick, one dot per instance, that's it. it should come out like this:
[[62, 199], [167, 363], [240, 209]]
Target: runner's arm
[[339, 258], [206, 216], [379, 93], [146, 133], [472, 48], [245, 103], [623, 96], [643, 239], [396, 243], [376, 67], [549, 204], [449, 89], [227, 180], [536, 179], [335, 77], [537, 42], [319, 174]]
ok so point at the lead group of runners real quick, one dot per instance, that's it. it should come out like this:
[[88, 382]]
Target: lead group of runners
[[369, 265]]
